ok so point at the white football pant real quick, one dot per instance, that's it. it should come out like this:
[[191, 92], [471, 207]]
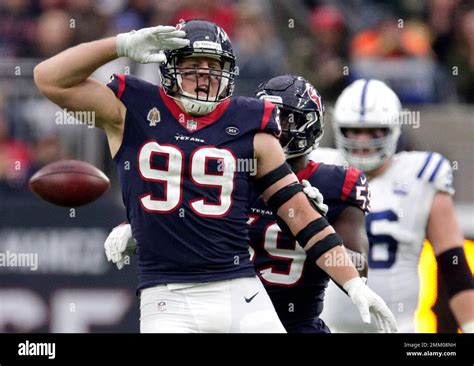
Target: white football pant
[[239, 305]]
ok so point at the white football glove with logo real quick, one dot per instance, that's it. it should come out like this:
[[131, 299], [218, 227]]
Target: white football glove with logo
[[145, 45], [316, 196], [367, 301], [119, 245]]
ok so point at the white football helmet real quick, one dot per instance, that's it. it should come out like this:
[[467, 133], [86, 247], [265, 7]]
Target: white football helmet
[[367, 104]]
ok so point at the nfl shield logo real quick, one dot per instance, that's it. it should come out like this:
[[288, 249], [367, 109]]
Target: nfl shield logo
[[162, 306], [191, 125]]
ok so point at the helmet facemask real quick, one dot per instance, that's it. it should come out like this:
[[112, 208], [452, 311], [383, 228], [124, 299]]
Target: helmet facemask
[[383, 148], [194, 103], [301, 131]]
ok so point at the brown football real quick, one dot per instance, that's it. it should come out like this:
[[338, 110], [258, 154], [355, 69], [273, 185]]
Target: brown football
[[69, 183]]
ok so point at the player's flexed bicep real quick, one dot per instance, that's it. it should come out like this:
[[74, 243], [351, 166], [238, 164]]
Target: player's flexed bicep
[[65, 80], [65, 77]]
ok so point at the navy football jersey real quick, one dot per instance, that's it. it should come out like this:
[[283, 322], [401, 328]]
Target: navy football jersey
[[295, 285], [186, 183]]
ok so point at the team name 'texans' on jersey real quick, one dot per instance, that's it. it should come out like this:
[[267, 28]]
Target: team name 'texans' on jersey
[[186, 199]]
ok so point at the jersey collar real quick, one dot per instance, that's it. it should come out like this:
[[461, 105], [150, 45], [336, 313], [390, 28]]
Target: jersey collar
[[183, 118], [308, 171]]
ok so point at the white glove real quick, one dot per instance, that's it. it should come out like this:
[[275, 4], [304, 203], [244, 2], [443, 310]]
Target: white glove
[[119, 245], [316, 196], [468, 327], [145, 45], [367, 301]]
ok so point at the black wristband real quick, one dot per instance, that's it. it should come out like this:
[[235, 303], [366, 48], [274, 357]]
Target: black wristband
[[455, 271]]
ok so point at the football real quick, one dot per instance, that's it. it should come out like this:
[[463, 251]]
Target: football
[[69, 183]]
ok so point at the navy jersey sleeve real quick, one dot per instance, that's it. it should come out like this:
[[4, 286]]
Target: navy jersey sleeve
[[270, 119], [117, 84], [341, 187], [355, 190], [128, 87]]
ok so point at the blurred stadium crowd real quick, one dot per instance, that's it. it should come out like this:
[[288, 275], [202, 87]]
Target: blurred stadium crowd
[[423, 49]]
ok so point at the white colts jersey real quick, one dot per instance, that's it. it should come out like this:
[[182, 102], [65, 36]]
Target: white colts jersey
[[401, 200]]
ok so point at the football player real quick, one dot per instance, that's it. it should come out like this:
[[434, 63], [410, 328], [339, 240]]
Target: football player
[[176, 148], [296, 287], [411, 198]]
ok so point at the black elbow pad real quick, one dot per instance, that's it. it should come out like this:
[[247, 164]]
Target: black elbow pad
[[455, 271]]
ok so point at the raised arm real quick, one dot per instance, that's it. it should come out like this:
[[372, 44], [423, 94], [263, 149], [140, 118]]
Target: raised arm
[[65, 78]]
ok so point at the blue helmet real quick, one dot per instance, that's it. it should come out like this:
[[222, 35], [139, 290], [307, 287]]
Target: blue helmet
[[206, 40], [301, 112]]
